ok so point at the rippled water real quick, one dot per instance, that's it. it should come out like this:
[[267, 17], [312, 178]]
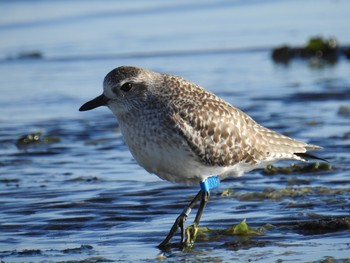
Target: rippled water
[[81, 196]]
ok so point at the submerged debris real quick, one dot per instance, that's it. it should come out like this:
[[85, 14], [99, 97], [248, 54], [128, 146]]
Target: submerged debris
[[78, 249], [228, 192], [291, 192], [34, 139], [344, 111], [324, 225], [245, 244], [96, 259], [29, 252], [332, 260], [161, 257], [241, 230], [318, 48], [241, 236], [8, 181], [294, 168], [27, 55]]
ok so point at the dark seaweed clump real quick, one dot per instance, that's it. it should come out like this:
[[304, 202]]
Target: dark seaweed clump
[[326, 50], [294, 168], [27, 55], [35, 138], [324, 225]]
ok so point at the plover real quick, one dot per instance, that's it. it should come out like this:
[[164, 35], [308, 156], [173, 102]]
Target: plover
[[183, 133]]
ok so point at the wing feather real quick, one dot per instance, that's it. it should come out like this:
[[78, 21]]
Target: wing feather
[[222, 135]]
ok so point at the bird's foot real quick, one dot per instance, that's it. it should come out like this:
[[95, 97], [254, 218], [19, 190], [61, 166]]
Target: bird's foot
[[179, 223], [191, 235], [181, 219]]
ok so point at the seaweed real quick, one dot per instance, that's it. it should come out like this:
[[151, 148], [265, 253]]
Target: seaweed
[[35, 138], [327, 50], [323, 225], [294, 168]]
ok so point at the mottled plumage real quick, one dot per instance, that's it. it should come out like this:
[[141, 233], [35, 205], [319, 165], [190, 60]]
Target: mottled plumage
[[183, 133]]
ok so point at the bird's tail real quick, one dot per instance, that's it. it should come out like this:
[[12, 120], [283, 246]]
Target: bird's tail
[[306, 156]]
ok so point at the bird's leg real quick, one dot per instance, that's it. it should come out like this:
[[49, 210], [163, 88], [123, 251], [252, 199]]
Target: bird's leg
[[179, 222], [192, 230], [203, 203]]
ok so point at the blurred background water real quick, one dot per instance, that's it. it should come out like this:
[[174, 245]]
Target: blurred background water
[[79, 195]]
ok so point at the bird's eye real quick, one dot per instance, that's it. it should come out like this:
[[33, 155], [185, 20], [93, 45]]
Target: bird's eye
[[126, 86]]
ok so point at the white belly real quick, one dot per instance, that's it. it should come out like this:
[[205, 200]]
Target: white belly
[[171, 160], [167, 155]]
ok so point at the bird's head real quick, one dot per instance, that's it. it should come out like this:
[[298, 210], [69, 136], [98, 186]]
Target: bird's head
[[124, 89]]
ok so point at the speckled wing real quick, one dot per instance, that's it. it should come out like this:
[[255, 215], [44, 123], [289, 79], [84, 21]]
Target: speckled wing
[[221, 135]]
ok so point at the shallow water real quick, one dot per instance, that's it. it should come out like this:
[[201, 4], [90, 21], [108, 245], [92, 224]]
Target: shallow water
[[83, 197]]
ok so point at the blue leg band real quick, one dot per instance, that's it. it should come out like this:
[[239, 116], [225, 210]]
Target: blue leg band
[[210, 183]]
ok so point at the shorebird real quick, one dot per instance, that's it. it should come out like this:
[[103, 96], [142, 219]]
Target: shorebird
[[185, 134]]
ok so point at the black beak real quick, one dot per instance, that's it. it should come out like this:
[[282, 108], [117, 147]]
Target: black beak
[[96, 102]]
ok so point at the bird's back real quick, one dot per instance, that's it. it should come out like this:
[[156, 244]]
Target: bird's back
[[222, 135]]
